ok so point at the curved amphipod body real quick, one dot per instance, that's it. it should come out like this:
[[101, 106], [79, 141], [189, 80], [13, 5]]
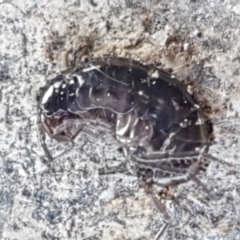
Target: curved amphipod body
[[150, 113]]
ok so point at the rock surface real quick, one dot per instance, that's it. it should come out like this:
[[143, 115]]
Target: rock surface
[[198, 41]]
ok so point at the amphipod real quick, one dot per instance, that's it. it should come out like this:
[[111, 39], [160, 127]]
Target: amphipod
[[164, 131]]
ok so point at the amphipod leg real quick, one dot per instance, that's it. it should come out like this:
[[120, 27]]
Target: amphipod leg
[[66, 151], [42, 140], [212, 158], [209, 193], [166, 218], [160, 204], [155, 165], [193, 170], [190, 175], [61, 133]]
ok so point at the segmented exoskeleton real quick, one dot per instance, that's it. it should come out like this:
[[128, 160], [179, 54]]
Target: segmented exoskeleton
[[151, 114]]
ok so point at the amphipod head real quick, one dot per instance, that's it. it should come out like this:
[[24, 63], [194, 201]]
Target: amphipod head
[[56, 111]]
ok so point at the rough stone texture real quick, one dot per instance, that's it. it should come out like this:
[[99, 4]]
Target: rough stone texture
[[197, 40]]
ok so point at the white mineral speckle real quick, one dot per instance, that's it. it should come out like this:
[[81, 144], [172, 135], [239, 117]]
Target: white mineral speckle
[[107, 195]]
